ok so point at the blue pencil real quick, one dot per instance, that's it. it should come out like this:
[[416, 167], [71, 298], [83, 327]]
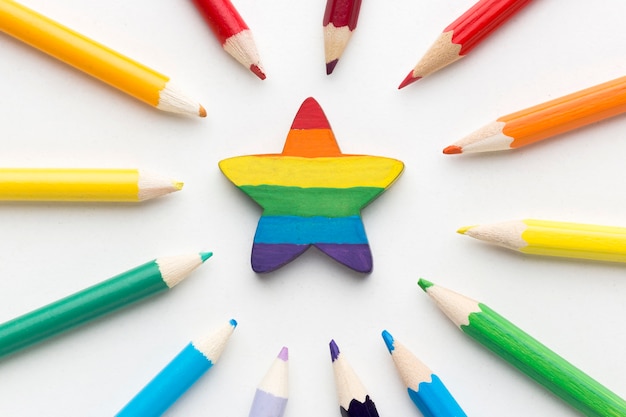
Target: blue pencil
[[425, 388], [180, 374]]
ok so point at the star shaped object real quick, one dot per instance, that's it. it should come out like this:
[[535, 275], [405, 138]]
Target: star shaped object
[[311, 194]]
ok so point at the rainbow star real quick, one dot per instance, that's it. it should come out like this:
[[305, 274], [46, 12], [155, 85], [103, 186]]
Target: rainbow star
[[311, 194]]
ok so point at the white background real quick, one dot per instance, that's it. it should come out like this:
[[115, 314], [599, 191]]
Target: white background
[[54, 116]]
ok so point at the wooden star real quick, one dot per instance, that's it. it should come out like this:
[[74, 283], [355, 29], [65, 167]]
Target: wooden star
[[311, 194]]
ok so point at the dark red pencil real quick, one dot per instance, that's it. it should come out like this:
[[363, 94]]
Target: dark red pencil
[[233, 33], [340, 20], [462, 35]]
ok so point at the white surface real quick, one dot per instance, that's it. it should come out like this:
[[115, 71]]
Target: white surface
[[53, 115]]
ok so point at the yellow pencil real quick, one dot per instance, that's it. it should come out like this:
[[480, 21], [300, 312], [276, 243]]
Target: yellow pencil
[[62, 184], [550, 238], [94, 59]]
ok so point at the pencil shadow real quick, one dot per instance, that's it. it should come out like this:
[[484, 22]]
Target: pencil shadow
[[513, 257], [78, 205]]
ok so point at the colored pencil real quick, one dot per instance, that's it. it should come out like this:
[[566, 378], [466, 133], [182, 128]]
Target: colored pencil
[[270, 398], [462, 35], [69, 184], [550, 238], [425, 388], [232, 32], [94, 59], [105, 297], [547, 119], [340, 19], [527, 354], [354, 401], [179, 375]]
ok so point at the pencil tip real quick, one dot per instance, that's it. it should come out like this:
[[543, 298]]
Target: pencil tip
[[424, 284], [408, 80], [257, 71], [463, 230], [201, 111], [178, 185], [452, 150], [205, 255], [330, 66], [284, 354], [233, 322], [388, 338], [334, 350]]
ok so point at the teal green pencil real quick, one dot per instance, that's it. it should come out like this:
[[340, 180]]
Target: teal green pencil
[[527, 354], [145, 280]]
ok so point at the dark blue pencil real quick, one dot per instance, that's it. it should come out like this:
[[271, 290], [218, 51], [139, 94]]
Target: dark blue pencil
[[354, 401]]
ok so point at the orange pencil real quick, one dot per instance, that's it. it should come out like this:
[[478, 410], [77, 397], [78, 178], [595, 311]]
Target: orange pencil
[[95, 59], [232, 32], [546, 120], [463, 35]]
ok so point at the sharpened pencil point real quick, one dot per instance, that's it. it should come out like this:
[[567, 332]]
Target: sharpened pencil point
[[178, 185], [453, 150], [388, 338], [233, 322], [424, 284], [284, 354], [201, 111], [330, 66], [464, 229], [408, 80], [257, 71], [334, 350], [205, 255]]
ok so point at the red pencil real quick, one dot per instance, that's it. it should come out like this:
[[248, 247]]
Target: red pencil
[[232, 32], [340, 20], [462, 35]]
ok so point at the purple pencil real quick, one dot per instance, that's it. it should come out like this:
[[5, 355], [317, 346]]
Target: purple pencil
[[270, 398], [354, 401]]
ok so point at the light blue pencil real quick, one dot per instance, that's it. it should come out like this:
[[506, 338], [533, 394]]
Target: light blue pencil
[[425, 388], [180, 374]]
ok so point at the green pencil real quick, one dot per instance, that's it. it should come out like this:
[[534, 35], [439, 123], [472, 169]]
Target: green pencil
[[126, 288], [527, 354]]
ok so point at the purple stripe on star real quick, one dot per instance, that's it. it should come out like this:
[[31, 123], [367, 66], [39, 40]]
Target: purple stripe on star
[[269, 257], [357, 257]]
